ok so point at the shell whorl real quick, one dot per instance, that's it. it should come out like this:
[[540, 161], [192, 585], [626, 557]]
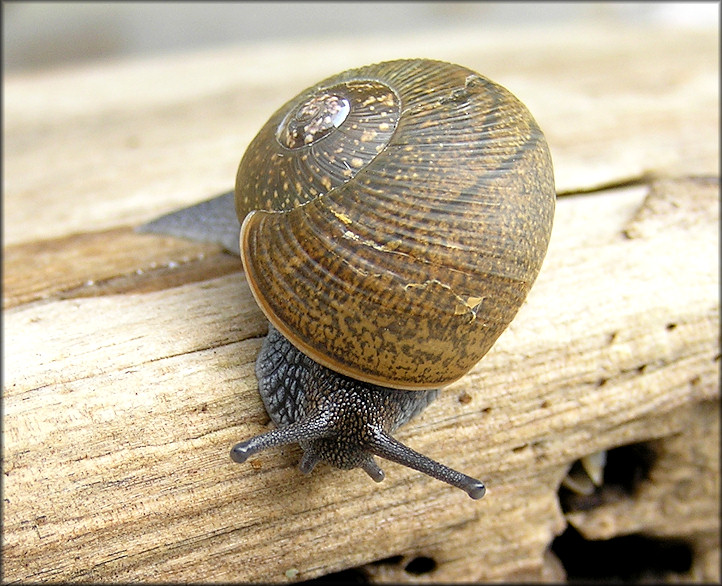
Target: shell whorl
[[413, 207]]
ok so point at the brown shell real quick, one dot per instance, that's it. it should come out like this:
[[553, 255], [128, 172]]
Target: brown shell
[[413, 219]]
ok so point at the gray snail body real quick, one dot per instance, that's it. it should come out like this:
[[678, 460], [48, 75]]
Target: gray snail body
[[393, 219], [336, 418]]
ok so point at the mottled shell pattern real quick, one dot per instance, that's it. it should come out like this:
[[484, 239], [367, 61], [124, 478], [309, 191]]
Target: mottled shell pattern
[[403, 211]]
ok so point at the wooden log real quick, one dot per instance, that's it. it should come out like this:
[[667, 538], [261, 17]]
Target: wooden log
[[129, 357]]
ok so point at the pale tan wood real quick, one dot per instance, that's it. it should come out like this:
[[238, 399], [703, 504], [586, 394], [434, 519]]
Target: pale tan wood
[[104, 262], [116, 436], [125, 387]]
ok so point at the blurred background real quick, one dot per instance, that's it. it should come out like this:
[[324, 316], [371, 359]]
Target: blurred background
[[39, 35]]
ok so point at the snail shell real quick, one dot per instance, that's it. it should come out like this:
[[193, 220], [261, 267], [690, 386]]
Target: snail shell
[[394, 218]]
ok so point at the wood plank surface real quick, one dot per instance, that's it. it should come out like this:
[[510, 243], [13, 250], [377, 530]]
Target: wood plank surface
[[128, 358]]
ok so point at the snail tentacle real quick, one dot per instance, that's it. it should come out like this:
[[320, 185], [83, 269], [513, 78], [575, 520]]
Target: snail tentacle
[[373, 470], [314, 428], [388, 447], [308, 461]]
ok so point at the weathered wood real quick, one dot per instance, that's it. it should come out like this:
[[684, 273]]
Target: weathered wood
[[128, 364], [101, 263]]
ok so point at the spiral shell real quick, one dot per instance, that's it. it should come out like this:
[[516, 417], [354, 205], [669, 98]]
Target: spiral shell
[[402, 213]]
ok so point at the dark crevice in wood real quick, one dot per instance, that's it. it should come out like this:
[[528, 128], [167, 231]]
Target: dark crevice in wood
[[629, 558]]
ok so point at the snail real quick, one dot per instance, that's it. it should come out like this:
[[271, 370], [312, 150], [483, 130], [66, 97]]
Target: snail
[[392, 221]]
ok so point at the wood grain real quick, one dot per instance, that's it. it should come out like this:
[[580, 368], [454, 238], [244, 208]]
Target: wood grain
[[128, 363]]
